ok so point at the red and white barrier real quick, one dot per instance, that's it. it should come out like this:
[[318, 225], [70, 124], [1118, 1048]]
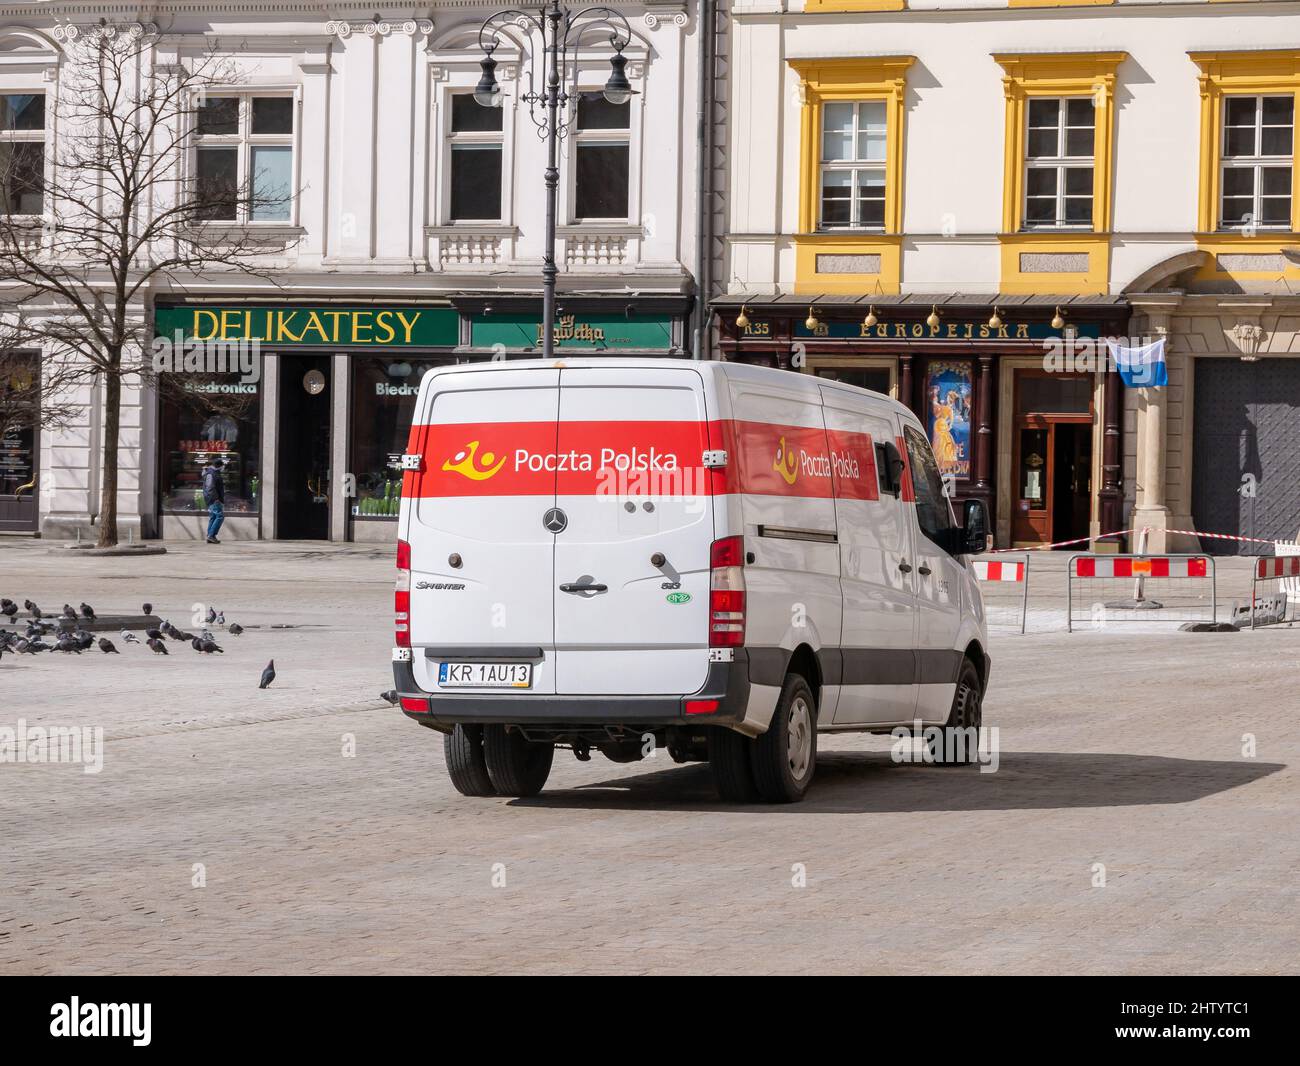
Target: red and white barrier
[[996, 570], [1149, 566], [1282, 566]]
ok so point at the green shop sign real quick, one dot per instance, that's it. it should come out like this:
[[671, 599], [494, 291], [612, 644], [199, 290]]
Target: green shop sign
[[580, 332], [332, 326]]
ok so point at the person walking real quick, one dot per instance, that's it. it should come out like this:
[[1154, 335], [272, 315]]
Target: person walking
[[214, 495]]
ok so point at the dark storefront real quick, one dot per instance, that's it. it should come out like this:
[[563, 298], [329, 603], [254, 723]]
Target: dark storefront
[[19, 443], [1016, 411]]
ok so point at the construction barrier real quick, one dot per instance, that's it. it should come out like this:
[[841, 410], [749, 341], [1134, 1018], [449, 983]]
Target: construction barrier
[[1148, 588], [1000, 571], [1275, 609]]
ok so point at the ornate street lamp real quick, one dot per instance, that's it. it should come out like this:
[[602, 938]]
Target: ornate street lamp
[[561, 32]]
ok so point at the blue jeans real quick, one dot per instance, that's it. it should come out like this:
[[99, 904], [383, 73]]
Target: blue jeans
[[216, 515]]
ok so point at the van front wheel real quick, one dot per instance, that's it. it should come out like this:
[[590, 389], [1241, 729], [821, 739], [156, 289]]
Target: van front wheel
[[516, 767], [462, 748], [785, 757], [965, 718]]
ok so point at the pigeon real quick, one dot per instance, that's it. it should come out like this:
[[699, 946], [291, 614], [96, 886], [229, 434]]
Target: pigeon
[[212, 616], [87, 612], [69, 611], [23, 646], [153, 634], [106, 646], [221, 618], [159, 648], [390, 696], [208, 646], [235, 629], [129, 638], [83, 639], [268, 675], [147, 608], [67, 644], [36, 611]]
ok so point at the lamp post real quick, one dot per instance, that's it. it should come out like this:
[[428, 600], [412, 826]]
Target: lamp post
[[561, 32]]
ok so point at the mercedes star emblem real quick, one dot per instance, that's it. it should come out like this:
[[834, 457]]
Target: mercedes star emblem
[[555, 520]]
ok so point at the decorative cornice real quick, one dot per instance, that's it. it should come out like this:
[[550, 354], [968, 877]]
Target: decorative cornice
[[67, 32], [343, 29]]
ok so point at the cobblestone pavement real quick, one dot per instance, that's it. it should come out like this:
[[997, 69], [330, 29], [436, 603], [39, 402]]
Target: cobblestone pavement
[[331, 841]]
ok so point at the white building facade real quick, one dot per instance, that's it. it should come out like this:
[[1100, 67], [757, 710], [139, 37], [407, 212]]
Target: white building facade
[[413, 237], [931, 196]]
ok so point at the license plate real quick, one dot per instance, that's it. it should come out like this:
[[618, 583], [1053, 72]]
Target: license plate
[[485, 675]]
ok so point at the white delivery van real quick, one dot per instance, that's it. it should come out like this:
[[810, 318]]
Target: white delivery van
[[710, 558]]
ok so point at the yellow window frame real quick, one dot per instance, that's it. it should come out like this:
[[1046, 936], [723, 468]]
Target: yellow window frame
[[1273, 73]]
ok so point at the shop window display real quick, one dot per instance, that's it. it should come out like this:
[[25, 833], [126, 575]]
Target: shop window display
[[216, 417]]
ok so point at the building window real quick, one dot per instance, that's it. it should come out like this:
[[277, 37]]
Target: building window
[[1059, 162], [244, 158], [476, 151], [853, 161], [22, 153], [1258, 136], [601, 159], [205, 417]]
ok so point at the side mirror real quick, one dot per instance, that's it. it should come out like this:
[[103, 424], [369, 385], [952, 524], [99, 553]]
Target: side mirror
[[893, 467], [975, 528]]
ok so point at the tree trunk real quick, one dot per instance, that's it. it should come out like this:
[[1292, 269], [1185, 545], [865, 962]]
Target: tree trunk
[[108, 489]]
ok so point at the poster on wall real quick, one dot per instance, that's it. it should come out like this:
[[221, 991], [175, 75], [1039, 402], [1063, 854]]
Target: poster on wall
[[948, 398]]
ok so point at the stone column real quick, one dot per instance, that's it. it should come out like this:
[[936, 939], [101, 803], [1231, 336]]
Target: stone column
[[1152, 511], [340, 439]]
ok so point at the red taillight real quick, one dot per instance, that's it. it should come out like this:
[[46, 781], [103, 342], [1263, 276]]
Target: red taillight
[[701, 706], [402, 596], [729, 551], [415, 704], [726, 596]]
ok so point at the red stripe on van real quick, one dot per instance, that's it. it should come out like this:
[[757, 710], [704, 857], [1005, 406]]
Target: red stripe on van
[[659, 458]]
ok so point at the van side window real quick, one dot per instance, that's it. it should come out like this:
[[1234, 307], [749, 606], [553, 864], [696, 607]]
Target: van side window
[[933, 513], [882, 471]]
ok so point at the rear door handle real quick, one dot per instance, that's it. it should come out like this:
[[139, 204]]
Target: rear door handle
[[905, 567], [569, 586]]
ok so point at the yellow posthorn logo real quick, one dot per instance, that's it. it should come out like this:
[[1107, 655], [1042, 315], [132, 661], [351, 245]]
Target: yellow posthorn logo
[[786, 464], [465, 462]]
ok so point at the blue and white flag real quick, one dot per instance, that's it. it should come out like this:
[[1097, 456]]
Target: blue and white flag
[[1141, 367]]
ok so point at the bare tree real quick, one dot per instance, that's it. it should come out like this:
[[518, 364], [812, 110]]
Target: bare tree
[[122, 214]]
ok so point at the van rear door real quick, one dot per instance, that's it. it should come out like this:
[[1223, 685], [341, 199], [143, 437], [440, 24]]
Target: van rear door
[[631, 488], [488, 439]]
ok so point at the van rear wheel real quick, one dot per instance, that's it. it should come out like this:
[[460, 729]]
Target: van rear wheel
[[785, 757], [462, 749], [516, 767]]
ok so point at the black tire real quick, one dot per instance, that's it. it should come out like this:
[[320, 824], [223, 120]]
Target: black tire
[[515, 766], [729, 761], [785, 757], [463, 750], [967, 713]]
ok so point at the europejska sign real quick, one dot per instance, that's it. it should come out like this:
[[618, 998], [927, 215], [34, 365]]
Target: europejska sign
[[337, 326], [956, 330]]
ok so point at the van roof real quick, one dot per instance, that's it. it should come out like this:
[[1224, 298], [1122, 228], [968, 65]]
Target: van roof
[[729, 371]]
